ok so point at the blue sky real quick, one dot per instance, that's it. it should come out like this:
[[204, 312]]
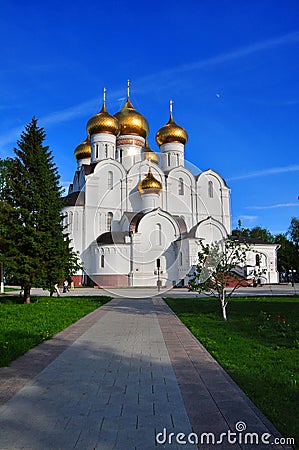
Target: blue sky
[[231, 67]]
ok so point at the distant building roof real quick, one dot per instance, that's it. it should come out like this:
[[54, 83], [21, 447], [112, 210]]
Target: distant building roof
[[248, 240]]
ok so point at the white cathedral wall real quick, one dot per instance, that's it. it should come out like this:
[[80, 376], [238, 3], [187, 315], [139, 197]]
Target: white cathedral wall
[[181, 195], [213, 198], [74, 226], [172, 155], [105, 193], [129, 150], [187, 250], [102, 146], [116, 259], [209, 232], [156, 233], [107, 265], [150, 201]]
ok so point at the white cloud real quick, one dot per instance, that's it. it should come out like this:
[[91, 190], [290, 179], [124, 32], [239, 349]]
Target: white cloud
[[10, 137], [278, 205], [237, 54], [149, 83], [265, 172], [248, 218]]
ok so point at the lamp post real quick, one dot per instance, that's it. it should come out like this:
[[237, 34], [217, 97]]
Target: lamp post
[[158, 272], [131, 273]]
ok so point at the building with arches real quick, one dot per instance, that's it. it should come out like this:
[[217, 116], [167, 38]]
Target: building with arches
[[129, 207]]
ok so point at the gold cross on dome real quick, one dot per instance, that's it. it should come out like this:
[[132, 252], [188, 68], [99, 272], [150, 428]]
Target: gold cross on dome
[[128, 89], [170, 106]]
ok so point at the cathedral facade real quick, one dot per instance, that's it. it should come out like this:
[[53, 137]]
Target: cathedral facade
[[137, 217]]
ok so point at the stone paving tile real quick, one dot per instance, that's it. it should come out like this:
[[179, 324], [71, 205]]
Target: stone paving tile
[[114, 380], [113, 387], [213, 401]]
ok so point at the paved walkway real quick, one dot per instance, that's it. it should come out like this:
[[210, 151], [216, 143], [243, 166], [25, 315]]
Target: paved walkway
[[139, 292], [119, 378]]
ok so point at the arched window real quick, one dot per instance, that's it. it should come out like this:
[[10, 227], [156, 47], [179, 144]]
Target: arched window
[[257, 260], [102, 260], [168, 159], [121, 155], [110, 180], [159, 234], [181, 186], [178, 159], [106, 150], [211, 189], [109, 219], [97, 151]]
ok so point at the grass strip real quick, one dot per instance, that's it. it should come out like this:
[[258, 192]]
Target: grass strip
[[24, 326], [257, 346]]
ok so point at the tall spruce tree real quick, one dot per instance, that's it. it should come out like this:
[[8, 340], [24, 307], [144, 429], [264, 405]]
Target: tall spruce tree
[[36, 249]]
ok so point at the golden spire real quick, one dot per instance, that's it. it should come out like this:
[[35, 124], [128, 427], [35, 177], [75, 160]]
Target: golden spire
[[104, 109]]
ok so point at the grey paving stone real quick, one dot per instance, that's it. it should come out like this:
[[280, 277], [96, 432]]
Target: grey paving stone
[[100, 390], [123, 376]]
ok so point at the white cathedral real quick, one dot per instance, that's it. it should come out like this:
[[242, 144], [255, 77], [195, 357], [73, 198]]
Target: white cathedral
[[137, 218]]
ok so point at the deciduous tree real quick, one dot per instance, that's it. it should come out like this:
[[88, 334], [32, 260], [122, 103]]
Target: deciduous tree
[[217, 267]]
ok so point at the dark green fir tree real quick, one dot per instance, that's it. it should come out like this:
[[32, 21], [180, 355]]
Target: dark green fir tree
[[36, 249]]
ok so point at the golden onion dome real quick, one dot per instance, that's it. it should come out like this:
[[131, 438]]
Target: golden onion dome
[[131, 121], [150, 184], [149, 154], [83, 150], [103, 122], [171, 132]]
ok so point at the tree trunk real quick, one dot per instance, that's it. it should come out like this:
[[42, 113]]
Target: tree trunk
[[223, 306], [27, 294]]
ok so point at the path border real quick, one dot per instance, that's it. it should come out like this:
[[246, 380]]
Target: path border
[[209, 393]]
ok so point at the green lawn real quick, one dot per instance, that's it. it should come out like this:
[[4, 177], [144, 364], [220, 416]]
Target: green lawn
[[24, 326], [258, 346]]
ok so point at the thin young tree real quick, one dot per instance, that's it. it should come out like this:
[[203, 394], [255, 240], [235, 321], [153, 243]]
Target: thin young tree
[[36, 250], [217, 269]]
